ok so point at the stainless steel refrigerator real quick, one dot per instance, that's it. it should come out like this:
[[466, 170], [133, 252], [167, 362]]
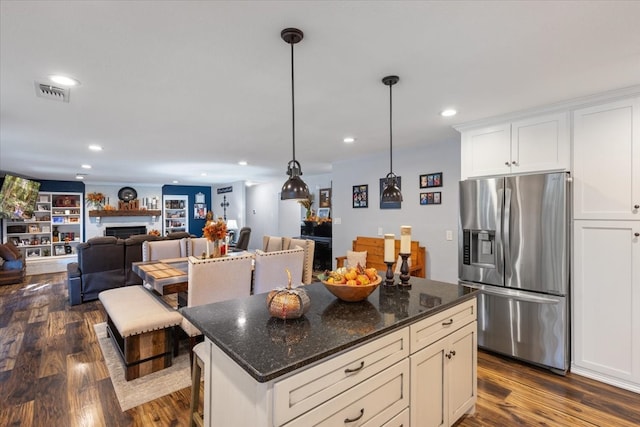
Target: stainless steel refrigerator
[[514, 247]]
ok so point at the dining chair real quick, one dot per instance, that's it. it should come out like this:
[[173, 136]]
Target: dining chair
[[271, 269], [164, 249], [309, 247], [242, 244], [213, 280], [196, 246]]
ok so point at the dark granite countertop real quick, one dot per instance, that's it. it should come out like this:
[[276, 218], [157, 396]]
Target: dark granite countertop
[[267, 347]]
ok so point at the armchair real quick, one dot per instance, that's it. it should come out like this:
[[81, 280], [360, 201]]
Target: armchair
[[242, 244], [13, 268]]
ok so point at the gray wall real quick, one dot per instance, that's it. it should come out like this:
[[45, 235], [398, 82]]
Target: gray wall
[[268, 215], [429, 223]]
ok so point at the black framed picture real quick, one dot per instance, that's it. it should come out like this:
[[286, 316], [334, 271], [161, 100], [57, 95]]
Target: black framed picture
[[431, 198], [397, 205], [325, 198], [360, 196], [431, 180]]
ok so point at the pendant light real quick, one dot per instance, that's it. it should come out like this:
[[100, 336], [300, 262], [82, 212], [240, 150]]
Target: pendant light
[[391, 192], [294, 187]]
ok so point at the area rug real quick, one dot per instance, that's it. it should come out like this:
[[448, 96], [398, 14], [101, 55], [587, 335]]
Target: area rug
[[149, 387]]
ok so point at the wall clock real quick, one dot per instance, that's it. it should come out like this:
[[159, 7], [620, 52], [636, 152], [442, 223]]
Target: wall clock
[[126, 194]]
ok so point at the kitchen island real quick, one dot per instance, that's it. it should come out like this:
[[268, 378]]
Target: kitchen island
[[401, 357]]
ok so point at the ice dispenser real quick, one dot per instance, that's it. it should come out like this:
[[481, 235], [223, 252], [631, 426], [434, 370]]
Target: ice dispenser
[[479, 248]]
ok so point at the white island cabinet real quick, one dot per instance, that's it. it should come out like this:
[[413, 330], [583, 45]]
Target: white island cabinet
[[380, 382]]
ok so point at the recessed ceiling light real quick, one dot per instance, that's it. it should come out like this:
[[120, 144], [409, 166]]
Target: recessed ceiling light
[[448, 112], [349, 139], [175, 181], [203, 174], [86, 166], [64, 80], [79, 176], [242, 163], [95, 147]]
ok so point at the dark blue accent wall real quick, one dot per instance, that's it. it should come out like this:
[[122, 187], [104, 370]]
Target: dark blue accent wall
[[61, 186], [195, 225]]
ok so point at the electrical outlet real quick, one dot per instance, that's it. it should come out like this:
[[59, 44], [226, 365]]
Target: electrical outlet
[[379, 231], [337, 221], [449, 235]]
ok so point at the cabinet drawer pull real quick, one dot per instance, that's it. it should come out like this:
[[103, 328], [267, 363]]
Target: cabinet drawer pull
[[636, 234], [351, 371], [448, 322], [636, 206], [353, 420], [506, 163]]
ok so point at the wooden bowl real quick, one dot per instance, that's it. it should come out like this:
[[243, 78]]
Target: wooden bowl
[[352, 293]]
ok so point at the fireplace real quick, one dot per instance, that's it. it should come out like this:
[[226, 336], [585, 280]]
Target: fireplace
[[125, 232]]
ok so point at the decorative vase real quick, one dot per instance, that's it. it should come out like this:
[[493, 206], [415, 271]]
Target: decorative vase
[[216, 249]]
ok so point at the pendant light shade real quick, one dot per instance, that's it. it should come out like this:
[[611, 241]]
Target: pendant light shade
[[294, 187], [391, 192]]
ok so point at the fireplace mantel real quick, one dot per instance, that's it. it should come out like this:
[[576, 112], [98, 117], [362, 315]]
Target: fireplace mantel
[[144, 212], [98, 215]]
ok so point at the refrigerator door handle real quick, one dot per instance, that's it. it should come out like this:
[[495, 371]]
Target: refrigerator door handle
[[506, 237], [499, 241], [517, 295]]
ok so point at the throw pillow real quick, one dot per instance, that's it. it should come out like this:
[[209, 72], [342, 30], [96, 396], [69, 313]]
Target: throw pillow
[[15, 250], [7, 254], [354, 258]]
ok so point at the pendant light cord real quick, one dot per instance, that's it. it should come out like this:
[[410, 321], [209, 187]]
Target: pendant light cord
[[390, 128], [293, 108]]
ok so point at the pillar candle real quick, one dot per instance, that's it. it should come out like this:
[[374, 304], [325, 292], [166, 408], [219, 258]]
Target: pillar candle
[[389, 247], [405, 239]]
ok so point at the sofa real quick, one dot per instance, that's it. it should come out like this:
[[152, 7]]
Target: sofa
[[133, 253], [100, 267], [105, 263], [13, 267]]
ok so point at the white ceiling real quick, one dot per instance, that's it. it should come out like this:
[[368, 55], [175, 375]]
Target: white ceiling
[[173, 89]]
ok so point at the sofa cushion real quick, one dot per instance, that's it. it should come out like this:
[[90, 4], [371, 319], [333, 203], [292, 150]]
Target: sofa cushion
[[7, 254]]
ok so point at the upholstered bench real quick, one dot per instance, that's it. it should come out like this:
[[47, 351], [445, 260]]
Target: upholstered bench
[[141, 326]]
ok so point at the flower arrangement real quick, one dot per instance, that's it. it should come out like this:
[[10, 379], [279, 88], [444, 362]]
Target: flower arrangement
[[95, 199], [307, 204], [154, 232], [215, 230]]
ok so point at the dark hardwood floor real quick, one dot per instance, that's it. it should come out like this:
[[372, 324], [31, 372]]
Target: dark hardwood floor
[[52, 374]]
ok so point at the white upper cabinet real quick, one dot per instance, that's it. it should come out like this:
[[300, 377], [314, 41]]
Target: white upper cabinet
[[606, 161], [535, 144]]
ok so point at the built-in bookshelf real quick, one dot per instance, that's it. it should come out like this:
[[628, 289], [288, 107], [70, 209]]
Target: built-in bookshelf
[[54, 228], [175, 216]]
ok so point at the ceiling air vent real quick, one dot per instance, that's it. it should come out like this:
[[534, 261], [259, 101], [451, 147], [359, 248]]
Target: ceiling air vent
[[54, 93]]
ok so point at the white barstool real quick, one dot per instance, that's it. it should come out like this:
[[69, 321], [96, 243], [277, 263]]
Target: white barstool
[[200, 360]]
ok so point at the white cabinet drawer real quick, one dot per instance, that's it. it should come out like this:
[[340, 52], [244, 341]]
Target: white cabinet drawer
[[400, 420], [302, 392], [368, 404], [431, 329]]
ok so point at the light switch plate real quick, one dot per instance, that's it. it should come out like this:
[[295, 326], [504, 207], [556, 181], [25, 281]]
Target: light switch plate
[[449, 235]]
